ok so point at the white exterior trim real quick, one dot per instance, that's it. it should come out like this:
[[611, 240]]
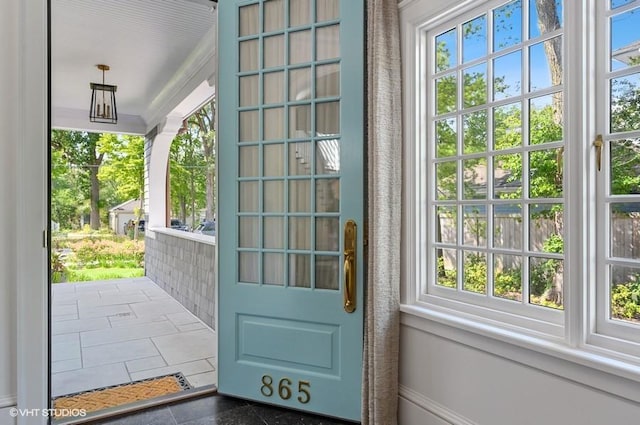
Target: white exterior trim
[[433, 407]]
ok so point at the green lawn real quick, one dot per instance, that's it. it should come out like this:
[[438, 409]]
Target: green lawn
[[102, 273]]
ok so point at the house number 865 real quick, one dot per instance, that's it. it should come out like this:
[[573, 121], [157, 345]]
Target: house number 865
[[284, 389]]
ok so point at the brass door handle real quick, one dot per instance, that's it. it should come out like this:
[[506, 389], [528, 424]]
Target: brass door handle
[[350, 269], [598, 143]]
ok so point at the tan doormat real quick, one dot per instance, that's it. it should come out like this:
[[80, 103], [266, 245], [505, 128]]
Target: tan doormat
[[118, 395]]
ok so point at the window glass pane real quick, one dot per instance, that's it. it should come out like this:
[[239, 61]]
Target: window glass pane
[[249, 90], [446, 274], [474, 92], [474, 272], [327, 272], [327, 195], [300, 47], [299, 196], [248, 267], [249, 166], [474, 39], [273, 15], [446, 50], [625, 230], [300, 270], [446, 94], [328, 42], [249, 23], [273, 265], [475, 132], [328, 80], [625, 39], [300, 121], [475, 225], [249, 235], [248, 193], [625, 97], [507, 226], [507, 75], [300, 233], [545, 173], [545, 64], [299, 12], [545, 119], [327, 118], [625, 166], [446, 225], [273, 125], [274, 51], [546, 228], [475, 178], [300, 159], [273, 196], [300, 84], [507, 277], [507, 176], [249, 55], [327, 10], [544, 16], [328, 156], [618, 3], [446, 180], [274, 87], [625, 294], [273, 229], [507, 126], [273, 160], [327, 234], [545, 282], [446, 138], [248, 126], [507, 25]]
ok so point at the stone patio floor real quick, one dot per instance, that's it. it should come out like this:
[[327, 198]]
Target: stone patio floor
[[118, 331]]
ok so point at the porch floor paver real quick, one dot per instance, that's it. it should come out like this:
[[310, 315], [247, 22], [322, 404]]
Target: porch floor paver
[[127, 329]]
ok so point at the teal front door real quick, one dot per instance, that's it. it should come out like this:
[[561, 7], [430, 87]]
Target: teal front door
[[291, 201]]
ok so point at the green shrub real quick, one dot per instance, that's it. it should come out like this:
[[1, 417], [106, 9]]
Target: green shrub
[[625, 300], [475, 273]]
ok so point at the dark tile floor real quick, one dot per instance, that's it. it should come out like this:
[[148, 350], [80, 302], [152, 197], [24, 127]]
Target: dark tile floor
[[220, 410]]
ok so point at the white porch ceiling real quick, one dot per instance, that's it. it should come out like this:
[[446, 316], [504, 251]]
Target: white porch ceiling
[[159, 52]]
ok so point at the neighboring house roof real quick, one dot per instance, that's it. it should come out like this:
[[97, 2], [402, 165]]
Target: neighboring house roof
[[127, 206]]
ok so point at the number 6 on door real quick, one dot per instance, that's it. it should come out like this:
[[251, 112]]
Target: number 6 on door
[[284, 389]]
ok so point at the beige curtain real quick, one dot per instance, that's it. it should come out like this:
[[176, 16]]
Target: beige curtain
[[380, 378]]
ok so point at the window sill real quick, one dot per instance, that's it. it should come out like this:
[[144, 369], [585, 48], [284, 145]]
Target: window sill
[[209, 240], [582, 365]]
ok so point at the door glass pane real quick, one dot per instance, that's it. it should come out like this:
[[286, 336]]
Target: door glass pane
[[300, 196], [507, 176], [328, 42], [273, 232], [507, 25], [544, 70], [507, 226], [545, 282], [299, 12], [327, 234], [300, 233], [300, 270], [327, 10], [550, 20], [248, 233], [249, 23], [299, 121], [474, 272], [625, 230], [273, 15], [327, 118], [446, 225], [249, 90], [447, 272], [248, 126], [273, 264], [248, 193], [446, 94], [474, 39], [625, 301], [507, 75], [625, 39], [274, 51], [507, 126], [328, 156], [475, 225], [475, 178], [300, 84], [274, 87], [274, 196], [249, 55], [507, 277], [475, 136], [545, 228], [545, 173], [327, 272], [446, 180], [446, 50], [545, 119], [249, 161], [274, 160], [328, 195], [328, 80], [248, 267], [446, 138], [273, 124], [300, 47], [624, 100], [300, 159], [625, 166]]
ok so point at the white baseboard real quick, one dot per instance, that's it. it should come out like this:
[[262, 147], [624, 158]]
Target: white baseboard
[[433, 407], [8, 401]]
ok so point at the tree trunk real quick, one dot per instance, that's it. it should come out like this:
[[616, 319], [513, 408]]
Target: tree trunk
[[548, 21], [95, 198]]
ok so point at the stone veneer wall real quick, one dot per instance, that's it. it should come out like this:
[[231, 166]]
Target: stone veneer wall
[[185, 269]]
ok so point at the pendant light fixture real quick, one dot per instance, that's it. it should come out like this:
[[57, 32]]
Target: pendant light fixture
[[103, 101]]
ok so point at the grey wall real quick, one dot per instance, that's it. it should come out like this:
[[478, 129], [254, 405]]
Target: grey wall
[[185, 268]]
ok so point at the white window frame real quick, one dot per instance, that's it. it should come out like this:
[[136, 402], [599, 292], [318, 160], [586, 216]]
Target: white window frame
[[578, 338]]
